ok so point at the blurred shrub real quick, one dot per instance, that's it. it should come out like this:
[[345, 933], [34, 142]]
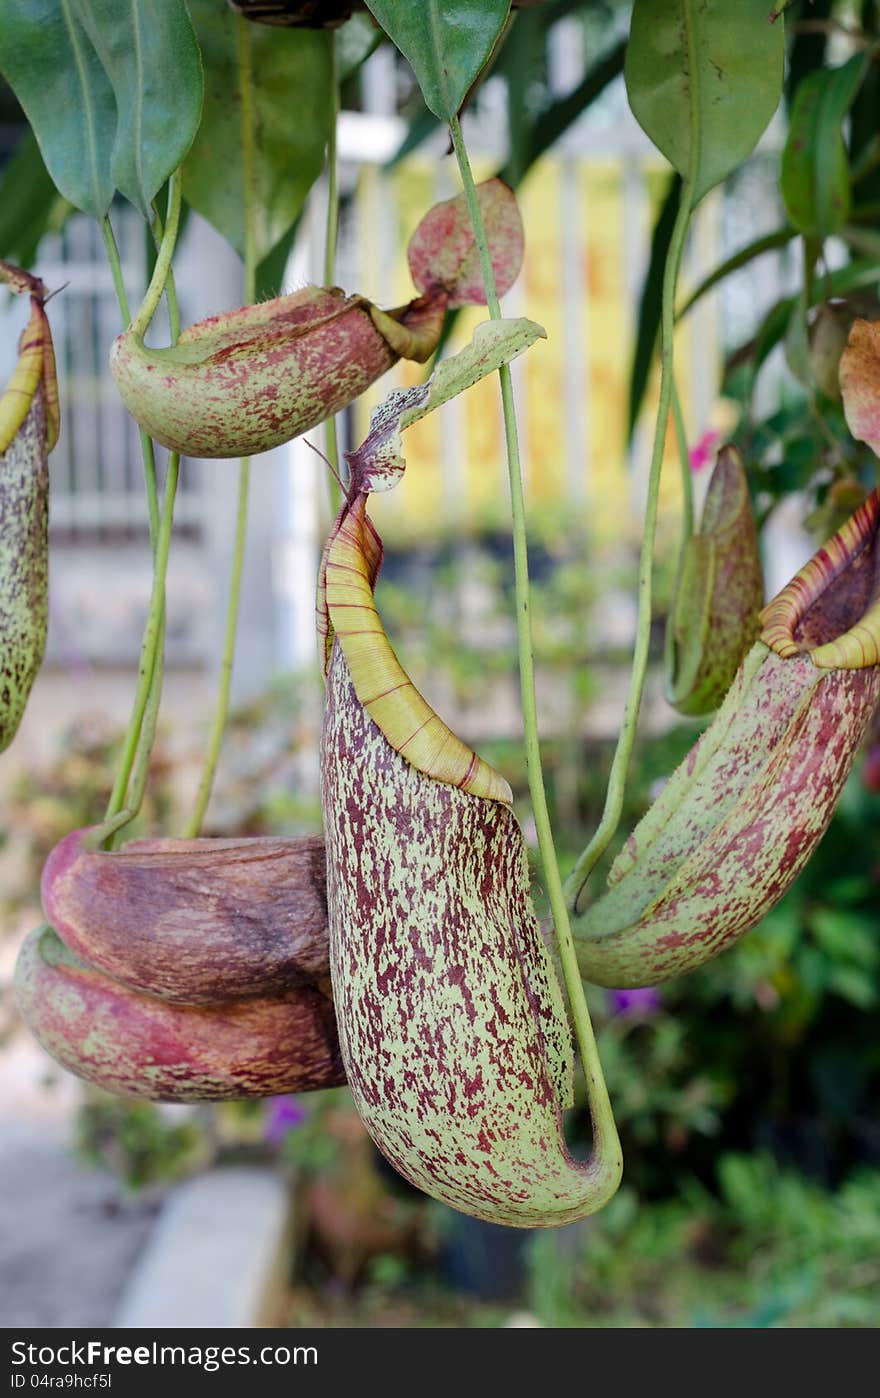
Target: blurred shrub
[[139, 1143], [766, 1247], [70, 790]]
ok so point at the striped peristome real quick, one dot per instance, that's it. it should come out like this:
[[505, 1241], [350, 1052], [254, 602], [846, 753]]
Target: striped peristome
[[382, 685], [838, 587]]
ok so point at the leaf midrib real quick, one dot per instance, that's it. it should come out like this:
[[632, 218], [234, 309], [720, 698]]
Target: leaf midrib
[[91, 146], [138, 105], [435, 23]]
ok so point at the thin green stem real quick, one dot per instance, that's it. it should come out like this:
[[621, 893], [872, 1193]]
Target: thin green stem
[[113, 258], [147, 737], [331, 237], [224, 682], [606, 1145], [150, 649], [137, 747], [684, 456], [170, 284], [147, 452], [221, 710], [620, 763], [162, 268]]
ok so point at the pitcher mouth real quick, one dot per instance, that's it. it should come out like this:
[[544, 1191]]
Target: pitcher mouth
[[831, 609]]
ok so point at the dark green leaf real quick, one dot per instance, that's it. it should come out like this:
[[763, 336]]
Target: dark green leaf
[[149, 52], [446, 42], [524, 44], [853, 277], [771, 242], [355, 42], [854, 985], [815, 182], [261, 143], [847, 935], [556, 120], [30, 205], [808, 49], [422, 125], [48, 61], [865, 164], [704, 78], [863, 240], [864, 142], [797, 343], [648, 327], [270, 272], [161, 203]]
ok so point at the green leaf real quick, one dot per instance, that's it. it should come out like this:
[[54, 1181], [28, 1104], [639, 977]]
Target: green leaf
[[648, 327], [261, 141], [854, 985], [356, 41], [112, 91], [704, 78], [270, 272], [770, 242], [808, 48], [378, 463], [864, 142], [815, 181], [446, 42], [853, 277], [149, 52], [552, 123], [847, 935], [30, 205], [48, 61], [421, 126]]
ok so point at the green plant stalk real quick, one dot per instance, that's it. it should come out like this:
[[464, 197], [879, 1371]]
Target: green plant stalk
[[150, 648], [224, 685], [170, 286], [141, 732], [606, 1144], [164, 255], [687, 483], [111, 827], [147, 451], [140, 771], [221, 710], [331, 237], [613, 808]]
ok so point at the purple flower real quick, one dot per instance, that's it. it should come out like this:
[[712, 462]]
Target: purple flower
[[643, 1000], [283, 1114], [701, 454]]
